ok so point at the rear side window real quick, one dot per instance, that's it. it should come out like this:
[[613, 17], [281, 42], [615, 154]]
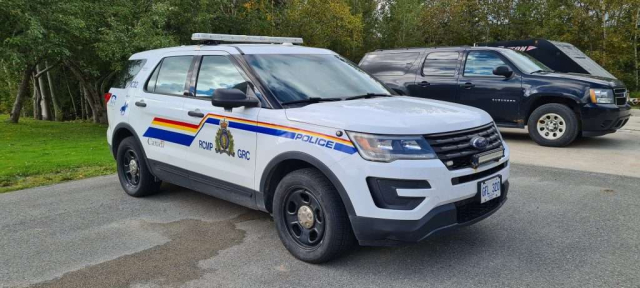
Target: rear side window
[[440, 64], [126, 75], [217, 72], [389, 63], [170, 76], [482, 63]]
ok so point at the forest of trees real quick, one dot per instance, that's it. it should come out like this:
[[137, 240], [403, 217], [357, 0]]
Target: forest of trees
[[58, 56]]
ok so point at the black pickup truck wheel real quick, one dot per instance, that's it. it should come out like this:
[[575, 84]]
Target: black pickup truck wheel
[[553, 125]]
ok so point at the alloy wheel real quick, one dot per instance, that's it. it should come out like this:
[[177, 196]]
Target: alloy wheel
[[131, 166], [304, 217]]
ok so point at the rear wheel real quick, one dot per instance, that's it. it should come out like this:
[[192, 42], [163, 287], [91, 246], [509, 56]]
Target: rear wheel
[[134, 175], [311, 219], [554, 125]]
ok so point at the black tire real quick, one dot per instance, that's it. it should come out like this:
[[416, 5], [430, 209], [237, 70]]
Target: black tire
[[335, 236], [141, 182], [554, 125]]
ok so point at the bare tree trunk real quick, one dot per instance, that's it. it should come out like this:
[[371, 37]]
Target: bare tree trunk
[[57, 109], [98, 109], [73, 102], [22, 90], [37, 114], [87, 108], [44, 103]]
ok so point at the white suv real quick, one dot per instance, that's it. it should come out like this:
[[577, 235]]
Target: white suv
[[307, 136]]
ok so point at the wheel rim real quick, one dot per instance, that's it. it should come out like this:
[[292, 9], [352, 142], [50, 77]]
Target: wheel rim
[[551, 126], [131, 168], [304, 217]]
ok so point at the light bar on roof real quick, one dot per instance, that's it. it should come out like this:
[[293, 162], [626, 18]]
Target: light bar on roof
[[244, 38]]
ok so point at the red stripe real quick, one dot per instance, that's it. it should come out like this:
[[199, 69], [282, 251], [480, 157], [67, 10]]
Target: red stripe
[[176, 123]]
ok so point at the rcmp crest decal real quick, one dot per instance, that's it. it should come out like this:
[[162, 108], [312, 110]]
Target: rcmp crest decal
[[224, 139]]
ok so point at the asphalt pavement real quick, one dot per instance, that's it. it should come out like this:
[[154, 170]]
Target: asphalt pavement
[[560, 227]]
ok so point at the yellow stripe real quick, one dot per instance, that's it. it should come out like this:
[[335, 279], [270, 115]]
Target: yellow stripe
[[163, 124]]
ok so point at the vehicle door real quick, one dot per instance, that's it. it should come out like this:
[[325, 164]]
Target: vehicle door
[[438, 76], [479, 87], [224, 146], [157, 108]]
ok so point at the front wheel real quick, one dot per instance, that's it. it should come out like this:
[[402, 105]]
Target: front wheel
[[311, 219], [553, 125]]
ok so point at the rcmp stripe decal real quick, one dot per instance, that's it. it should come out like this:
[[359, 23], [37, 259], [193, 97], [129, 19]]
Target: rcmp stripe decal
[[176, 133]]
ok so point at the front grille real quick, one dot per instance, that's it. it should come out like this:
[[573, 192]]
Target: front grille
[[620, 96], [454, 148], [476, 176], [470, 209]]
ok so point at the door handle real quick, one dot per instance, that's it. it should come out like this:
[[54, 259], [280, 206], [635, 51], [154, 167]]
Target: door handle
[[141, 104], [467, 85], [195, 114], [424, 83]]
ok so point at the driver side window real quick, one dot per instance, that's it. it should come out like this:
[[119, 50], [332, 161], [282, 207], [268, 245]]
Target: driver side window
[[218, 72], [482, 63]]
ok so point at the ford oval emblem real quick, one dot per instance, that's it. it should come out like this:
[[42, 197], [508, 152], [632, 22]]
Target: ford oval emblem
[[479, 142]]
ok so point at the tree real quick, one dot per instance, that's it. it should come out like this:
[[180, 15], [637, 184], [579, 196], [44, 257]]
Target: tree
[[34, 35]]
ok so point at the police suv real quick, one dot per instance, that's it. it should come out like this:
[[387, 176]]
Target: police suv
[[307, 136]]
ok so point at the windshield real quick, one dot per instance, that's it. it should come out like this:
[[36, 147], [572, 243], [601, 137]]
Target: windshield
[[525, 63], [295, 77]]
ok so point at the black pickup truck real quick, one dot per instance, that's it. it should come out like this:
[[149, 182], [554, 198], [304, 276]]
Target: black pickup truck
[[514, 88]]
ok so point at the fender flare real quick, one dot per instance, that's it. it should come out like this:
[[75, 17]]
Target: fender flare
[[295, 155], [528, 108], [114, 149]]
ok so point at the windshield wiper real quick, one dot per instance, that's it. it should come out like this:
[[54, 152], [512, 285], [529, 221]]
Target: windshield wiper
[[367, 96], [311, 100]]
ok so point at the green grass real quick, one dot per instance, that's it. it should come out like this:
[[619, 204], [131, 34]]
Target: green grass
[[35, 153]]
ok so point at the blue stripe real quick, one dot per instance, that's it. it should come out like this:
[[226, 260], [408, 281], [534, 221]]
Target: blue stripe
[[275, 132], [169, 136], [344, 148], [243, 126]]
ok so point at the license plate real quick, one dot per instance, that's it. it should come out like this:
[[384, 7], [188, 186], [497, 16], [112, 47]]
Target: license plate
[[490, 189]]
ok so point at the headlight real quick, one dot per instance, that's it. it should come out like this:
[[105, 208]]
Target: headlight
[[601, 96], [387, 148]]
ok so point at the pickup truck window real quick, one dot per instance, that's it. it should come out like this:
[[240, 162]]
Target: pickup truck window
[[394, 64], [482, 63], [525, 63], [440, 64]]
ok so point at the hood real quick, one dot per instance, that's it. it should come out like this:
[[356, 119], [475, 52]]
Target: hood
[[391, 115], [612, 82]]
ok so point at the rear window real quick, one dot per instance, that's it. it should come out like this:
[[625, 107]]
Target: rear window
[[440, 64], [388, 63], [126, 75]]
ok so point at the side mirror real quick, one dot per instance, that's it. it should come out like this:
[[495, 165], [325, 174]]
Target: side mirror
[[503, 71], [232, 98]]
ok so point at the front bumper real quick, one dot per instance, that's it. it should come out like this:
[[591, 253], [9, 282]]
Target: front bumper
[[386, 232], [603, 119], [377, 224]]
